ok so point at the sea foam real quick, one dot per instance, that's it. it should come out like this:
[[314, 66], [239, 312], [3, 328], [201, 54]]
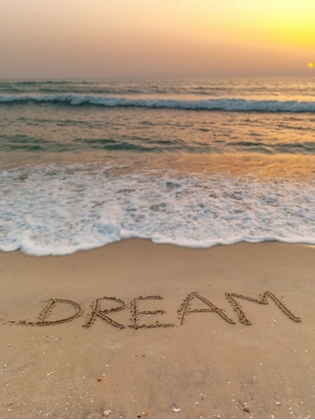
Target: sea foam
[[59, 210]]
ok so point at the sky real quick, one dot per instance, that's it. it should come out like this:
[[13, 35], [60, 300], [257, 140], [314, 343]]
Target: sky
[[156, 38]]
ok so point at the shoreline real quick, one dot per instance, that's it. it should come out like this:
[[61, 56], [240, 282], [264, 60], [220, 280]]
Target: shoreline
[[166, 244], [205, 365]]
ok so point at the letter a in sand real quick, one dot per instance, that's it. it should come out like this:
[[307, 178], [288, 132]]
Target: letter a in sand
[[185, 308]]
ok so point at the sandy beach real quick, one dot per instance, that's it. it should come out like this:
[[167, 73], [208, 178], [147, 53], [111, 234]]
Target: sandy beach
[[209, 364]]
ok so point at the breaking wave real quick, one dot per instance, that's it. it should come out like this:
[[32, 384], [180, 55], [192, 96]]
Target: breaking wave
[[223, 104]]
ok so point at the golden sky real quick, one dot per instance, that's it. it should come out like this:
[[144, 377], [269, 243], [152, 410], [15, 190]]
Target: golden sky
[[156, 38]]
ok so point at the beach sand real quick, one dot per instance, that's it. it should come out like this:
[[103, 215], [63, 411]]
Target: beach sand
[[206, 367]]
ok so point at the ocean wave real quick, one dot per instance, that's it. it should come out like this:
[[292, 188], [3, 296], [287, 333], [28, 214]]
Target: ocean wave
[[223, 104], [143, 144], [59, 210]]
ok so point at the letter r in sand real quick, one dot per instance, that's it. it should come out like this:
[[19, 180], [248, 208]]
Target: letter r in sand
[[96, 311]]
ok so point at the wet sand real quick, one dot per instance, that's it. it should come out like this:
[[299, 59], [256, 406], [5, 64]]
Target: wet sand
[[210, 366]]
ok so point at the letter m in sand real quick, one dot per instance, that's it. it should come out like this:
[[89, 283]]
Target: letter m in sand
[[263, 300]]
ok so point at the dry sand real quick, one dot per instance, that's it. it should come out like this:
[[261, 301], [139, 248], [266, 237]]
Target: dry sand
[[207, 367]]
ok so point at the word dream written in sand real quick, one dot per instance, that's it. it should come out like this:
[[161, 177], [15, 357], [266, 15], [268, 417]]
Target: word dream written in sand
[[184, 310]]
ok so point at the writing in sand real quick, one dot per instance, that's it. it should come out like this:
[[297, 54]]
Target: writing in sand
[[184, 310]]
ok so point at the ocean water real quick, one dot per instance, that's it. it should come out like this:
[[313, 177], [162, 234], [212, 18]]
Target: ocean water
[[84, 163]]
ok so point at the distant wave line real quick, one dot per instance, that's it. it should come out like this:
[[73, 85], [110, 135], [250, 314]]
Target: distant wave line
[[222, 104]]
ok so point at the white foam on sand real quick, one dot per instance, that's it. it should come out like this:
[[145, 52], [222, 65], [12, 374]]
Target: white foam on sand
[[58, 210]]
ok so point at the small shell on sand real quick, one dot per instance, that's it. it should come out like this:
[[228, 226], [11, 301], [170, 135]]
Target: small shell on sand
[[106, 413], [176, 410]]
